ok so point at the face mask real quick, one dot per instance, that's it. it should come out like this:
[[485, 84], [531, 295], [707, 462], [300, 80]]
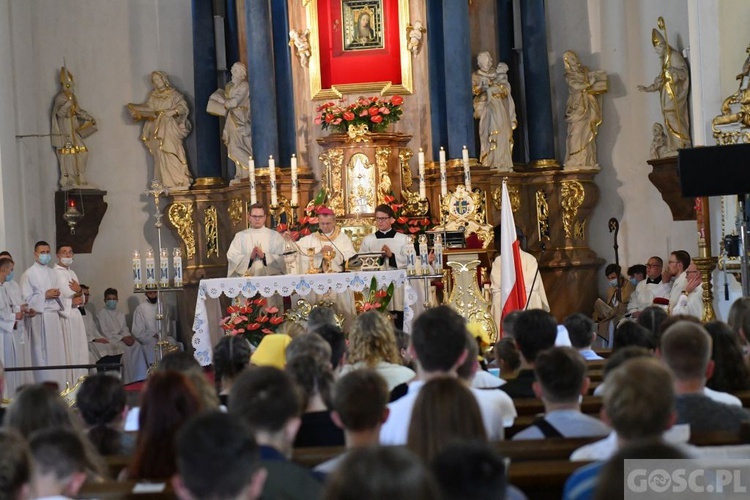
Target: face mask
[[67, 261], [9, 277], [152, 300], [111, 304], [612, 282], [634, 281], [44, 259]]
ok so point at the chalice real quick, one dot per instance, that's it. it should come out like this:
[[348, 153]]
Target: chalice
[[311, 261], [328, 255]]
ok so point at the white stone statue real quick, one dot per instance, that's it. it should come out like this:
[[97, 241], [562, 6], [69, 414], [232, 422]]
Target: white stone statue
[[583, 111], [494, 106], [415, 32], [70, 124], [165, 126], [233, 102], [299, 40], [673, 84], [658, 142], [733, 124]]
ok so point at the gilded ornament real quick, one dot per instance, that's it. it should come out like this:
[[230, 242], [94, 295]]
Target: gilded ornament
[[542, 214], [467, 299], [384, 179], [181, 217], [333, 162], [212, 232], [572, 194], [235, 211], [462, 209], [360, 181], [579, 229]]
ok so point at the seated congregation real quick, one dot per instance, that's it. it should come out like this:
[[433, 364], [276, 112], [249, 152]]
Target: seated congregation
[[313, 414]]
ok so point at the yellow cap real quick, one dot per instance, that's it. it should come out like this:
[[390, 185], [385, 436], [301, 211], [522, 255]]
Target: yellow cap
[[271, 351]]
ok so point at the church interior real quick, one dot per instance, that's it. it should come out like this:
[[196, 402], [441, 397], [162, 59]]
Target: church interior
[[111, 49]]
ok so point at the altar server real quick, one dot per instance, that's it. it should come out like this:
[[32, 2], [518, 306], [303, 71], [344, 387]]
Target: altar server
[[114, 328], [145, 328], [256, 251], [40, 290], [71, 296], [330, 238], [100, 348], [392, 244], [17, 346]]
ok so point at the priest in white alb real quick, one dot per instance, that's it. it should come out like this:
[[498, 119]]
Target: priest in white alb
[[71, 296], [18, 346], [9, 319], [113, 326], [256, 251], [41, 293], [330, 238], [392, 245]]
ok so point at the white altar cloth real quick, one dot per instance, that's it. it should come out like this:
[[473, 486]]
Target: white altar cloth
[[208, 316]]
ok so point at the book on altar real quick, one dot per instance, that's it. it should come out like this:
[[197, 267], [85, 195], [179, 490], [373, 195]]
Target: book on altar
[[604, 311], [215, 104]]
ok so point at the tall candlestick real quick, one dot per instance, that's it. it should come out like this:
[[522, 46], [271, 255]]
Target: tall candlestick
[[253, 193], [272, 180], [163, 268], [150, 269], [467, 171], [295, 182], [443, 174], [422, 190], [177, 266], [137, 281]]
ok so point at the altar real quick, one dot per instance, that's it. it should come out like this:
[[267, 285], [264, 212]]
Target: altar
[[208, 312]]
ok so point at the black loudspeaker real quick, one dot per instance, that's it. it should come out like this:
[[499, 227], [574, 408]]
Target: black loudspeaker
[[714, 170]]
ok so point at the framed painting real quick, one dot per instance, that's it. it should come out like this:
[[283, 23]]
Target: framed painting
[[358, 46]]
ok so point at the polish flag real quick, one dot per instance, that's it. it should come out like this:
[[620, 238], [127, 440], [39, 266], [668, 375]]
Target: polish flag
[[512, 287]]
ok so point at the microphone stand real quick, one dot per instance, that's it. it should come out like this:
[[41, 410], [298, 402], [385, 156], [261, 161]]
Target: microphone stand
[[536, 274]]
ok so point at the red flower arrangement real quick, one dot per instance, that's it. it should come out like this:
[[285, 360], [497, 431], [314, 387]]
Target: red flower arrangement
[[308, 223], [253, 320], [405, 224], [374, 112], [374, 299]]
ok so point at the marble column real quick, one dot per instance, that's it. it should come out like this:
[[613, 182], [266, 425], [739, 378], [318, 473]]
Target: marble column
[[207, 163], [261, 77], [537, 84]]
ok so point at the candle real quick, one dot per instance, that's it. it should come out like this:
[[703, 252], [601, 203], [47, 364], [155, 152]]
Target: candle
[[422, 191], [272, 180], [150, 269], [177, 266], [137, 281], [253, 194], [443, 174], [295, 184], [467, 171], [163, 268]]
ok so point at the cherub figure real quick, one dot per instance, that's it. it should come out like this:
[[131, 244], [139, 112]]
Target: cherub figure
[[415, 33], [299, 40]]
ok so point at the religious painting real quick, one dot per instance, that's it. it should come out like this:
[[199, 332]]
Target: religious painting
[[363, 24], [358, 46]]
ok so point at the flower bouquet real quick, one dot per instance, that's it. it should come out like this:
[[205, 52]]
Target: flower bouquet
[[374, 113], [308, 223], [251, 319], [375, 299], [405, 224]]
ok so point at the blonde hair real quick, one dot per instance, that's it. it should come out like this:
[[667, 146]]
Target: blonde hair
[[373, 340]]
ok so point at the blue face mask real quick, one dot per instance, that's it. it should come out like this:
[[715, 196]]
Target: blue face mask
[[634, 281], [45, 258], [613, 283], [110, 304], [9, 277]]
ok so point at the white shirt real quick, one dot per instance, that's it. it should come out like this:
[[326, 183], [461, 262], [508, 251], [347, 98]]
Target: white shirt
[[341, 244], [691, 304], [644, 295], [605, 448]]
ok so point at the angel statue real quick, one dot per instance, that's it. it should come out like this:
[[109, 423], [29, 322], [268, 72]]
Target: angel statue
[[299, 40]]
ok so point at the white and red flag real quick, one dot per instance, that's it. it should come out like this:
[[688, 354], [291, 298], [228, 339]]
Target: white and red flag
[[512, 287]]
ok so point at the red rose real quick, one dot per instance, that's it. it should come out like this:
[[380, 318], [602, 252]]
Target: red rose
[[348, 116], [373, 111], [376, 119], [397, 100]]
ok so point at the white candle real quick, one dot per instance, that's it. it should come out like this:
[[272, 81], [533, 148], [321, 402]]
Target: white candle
[[295, 186], [467, 171], [137, 281], [253, 193], [177, 266], [422, 190], [163, 268], [272, 180], [443, 174], [150, 269]]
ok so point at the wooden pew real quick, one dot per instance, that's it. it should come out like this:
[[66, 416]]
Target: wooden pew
[[124, 489], [542, 479]]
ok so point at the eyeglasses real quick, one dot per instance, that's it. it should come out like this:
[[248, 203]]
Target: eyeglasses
[[257, 216], [673, 262], [653, 265], [382, 218]]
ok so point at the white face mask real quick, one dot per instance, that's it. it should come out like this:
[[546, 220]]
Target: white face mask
[[67, 261]]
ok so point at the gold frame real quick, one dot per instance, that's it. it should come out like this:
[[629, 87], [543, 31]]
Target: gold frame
[[317, 92]]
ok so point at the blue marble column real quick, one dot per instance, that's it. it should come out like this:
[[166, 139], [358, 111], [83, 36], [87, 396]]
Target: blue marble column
[[537, 82], [457, 75], [287, 143], [435, 42], [261, 76], [205, 127]]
